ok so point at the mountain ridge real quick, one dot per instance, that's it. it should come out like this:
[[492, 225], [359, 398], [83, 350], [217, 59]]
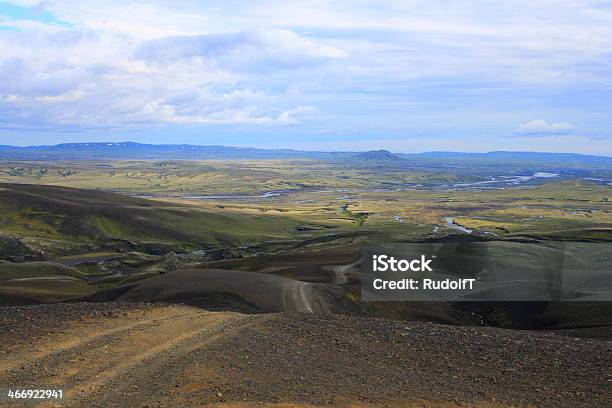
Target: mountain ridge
[[134, 150]]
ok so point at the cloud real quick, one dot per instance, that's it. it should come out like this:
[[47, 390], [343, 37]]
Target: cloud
[[463, 68], [543, 128], [249, 51], [21, 79], [75, 78]]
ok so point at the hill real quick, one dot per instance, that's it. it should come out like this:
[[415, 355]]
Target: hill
[[376, 155], [39, 221], [240, 291]]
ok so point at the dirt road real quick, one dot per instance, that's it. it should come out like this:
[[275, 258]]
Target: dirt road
[[340, 272], [303, 297], [121, 355], [98, 362]]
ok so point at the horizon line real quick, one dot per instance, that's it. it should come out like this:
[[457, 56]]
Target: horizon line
[[607, 155]]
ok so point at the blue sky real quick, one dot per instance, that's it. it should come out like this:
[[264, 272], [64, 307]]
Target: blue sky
[[404, 75]]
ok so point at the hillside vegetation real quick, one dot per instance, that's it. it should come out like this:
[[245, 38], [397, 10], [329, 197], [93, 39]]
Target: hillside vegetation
[[41, 221]]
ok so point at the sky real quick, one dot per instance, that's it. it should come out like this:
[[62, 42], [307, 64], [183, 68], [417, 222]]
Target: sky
[[402, 75]]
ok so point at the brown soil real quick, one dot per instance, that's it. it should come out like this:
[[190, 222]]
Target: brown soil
[[119, 355]]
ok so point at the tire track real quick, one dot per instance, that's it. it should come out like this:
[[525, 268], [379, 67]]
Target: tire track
[[92, 369], [121, 384], [298, 297], [206, 323], [304, 297], [26, 359]]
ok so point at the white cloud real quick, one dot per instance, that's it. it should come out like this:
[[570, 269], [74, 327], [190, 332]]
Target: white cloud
[[248, 51], [100, 79], [541, 127]]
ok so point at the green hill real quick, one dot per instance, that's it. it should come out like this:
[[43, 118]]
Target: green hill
[[39, 222]]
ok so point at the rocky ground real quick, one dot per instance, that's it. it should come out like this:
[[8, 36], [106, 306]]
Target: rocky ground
[[142, 355], [21, 325]]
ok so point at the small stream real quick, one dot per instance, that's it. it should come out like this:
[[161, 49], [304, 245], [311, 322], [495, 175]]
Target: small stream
[[269, 194], [450, 223]]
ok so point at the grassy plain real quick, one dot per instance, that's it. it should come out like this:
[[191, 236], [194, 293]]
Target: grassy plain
[[212, 176]]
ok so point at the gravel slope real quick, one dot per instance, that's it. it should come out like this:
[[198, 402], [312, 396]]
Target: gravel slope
[[131, 355], [239, 291]]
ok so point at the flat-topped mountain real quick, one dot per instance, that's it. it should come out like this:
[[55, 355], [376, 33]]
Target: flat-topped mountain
[[376, 155]]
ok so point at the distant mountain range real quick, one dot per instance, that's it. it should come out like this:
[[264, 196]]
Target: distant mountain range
[[133, 151]]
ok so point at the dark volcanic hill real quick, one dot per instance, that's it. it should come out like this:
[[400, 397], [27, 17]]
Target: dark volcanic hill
[[376, 155]]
